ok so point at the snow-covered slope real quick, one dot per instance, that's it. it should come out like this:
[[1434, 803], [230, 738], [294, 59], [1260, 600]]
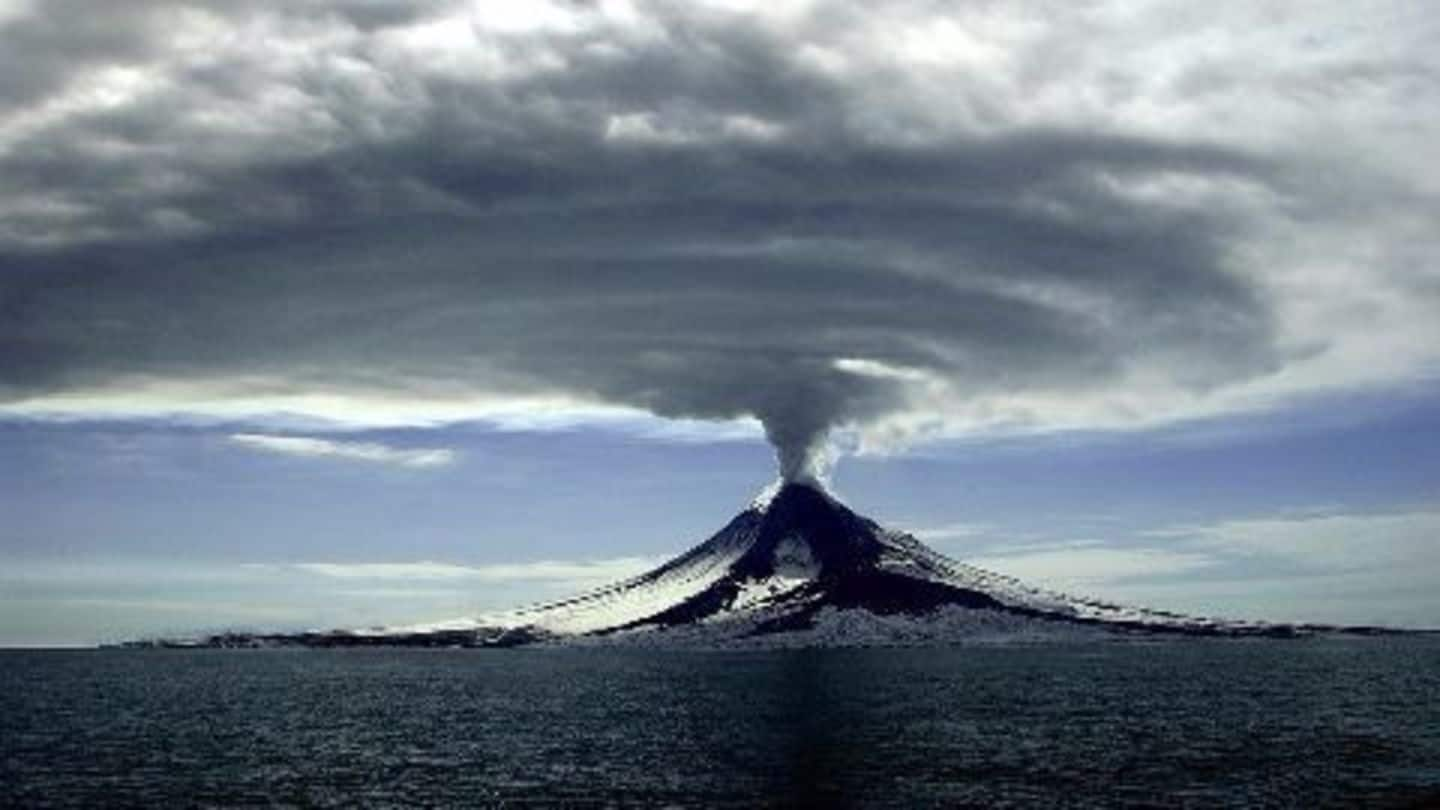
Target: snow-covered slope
[[798, 567]]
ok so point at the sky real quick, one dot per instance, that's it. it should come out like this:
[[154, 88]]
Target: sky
[[343, 312]]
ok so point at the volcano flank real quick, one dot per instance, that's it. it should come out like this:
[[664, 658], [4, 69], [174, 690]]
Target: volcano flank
[[798, 568]]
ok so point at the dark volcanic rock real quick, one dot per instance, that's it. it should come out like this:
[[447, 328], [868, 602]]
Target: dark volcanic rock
[[797, 563]]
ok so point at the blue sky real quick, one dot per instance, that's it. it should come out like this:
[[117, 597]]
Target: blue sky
[[355, 311], [1323, 513]]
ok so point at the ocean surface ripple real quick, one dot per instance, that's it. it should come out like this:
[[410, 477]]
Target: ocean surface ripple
[[1306, 723]]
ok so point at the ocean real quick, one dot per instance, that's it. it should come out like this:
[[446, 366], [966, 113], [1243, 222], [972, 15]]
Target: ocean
[[1321, 722]]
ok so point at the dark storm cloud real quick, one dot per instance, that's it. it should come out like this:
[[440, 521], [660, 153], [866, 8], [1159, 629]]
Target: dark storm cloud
[[43, 51], [679, 213], [63, 39]]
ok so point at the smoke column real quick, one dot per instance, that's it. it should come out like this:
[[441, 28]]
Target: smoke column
[[800, 436]]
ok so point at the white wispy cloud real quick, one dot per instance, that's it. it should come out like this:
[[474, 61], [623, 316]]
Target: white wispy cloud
[[1339, 541], [375, 452], [1305, 543], [952, 531], [1091, 563], [580, 571], [1332, 566]]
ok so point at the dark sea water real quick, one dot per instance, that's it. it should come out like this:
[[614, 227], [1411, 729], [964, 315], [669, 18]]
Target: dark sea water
[[1311, 723]]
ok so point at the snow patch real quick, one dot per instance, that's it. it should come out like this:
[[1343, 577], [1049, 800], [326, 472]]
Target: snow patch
[[718, 602], [835, 627]]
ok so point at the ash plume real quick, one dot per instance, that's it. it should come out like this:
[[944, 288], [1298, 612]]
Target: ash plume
[[799, 436], [697, 213]]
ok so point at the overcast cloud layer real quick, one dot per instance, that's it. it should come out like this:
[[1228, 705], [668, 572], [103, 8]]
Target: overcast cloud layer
[[925, 219]]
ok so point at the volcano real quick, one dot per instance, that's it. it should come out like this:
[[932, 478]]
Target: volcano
[[796, 567]]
